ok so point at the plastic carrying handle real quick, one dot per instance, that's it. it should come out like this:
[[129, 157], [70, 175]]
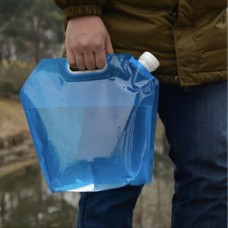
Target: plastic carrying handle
[[87, 75]]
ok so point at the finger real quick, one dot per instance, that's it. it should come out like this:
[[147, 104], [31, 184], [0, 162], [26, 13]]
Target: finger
[[80, 61], [71, 58], [89, 60], [100, 59], [108, 45]]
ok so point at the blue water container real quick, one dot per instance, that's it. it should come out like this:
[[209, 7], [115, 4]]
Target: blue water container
[[92, 130]]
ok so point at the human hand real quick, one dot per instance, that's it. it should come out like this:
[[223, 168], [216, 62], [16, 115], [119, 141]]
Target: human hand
[[87, 42]]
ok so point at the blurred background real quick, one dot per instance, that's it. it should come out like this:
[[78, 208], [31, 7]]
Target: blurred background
[[30, 31]]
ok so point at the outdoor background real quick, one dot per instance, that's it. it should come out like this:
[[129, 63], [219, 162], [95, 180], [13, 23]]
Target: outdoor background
[[29, 31]]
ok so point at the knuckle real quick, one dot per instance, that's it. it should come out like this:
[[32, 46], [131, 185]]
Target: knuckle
[[97, 45], [73, 45], [84, 46]]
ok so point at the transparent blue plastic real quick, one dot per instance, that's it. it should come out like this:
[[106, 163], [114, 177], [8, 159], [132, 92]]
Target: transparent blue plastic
[[92, 130]]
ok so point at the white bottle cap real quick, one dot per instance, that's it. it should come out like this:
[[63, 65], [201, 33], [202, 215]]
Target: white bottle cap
[[149, 61]]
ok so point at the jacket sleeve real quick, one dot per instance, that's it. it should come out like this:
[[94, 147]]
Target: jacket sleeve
[[73, 8]]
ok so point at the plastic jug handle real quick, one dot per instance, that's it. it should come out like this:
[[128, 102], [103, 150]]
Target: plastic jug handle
[[87, 75]]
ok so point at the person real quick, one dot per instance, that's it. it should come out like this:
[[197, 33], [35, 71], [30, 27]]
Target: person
[[189, 39]]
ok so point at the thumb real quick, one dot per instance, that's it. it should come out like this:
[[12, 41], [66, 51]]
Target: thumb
[[108, 45]]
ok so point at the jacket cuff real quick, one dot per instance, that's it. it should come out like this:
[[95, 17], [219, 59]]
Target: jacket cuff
[[82, 10]]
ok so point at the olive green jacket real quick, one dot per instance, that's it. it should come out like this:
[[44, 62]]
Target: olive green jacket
[[189, 37]]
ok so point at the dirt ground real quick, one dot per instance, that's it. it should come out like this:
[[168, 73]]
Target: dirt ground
[[12, 118]]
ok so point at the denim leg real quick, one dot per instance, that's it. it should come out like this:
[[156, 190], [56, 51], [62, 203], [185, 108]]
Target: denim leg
[[195, 121], [108, 209]]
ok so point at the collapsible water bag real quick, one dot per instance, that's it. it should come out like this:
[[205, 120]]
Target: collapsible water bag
[[93, 130]]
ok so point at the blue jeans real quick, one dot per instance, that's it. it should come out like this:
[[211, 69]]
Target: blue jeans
[[195, 121]]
